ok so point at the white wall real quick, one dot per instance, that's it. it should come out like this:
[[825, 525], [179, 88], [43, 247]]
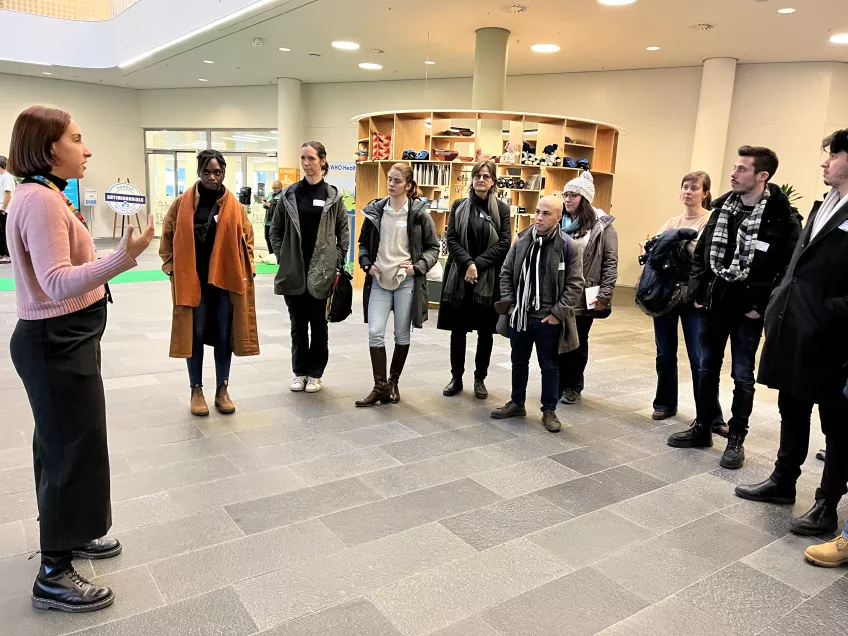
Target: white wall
[[237, 107], [108, 118]]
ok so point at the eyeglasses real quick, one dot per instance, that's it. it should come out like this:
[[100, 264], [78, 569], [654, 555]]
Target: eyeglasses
[[482, 177], [570, 195]]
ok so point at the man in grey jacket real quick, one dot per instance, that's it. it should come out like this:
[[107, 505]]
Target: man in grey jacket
[[541, 284]]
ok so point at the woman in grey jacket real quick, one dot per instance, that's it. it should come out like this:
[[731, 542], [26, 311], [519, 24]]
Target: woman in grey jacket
[[310, 235], [592, 230]]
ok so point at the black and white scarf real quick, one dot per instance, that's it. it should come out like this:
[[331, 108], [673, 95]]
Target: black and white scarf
[[528, 293], [746, 239]]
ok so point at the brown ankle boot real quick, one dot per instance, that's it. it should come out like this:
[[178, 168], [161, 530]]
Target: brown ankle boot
[[222, 400], [398, 360], [198, 402], [380, 392]]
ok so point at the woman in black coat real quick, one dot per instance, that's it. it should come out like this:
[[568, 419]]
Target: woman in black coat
[[478, 238]]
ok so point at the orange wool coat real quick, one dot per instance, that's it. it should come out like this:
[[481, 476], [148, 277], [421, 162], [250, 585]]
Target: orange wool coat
[[230, 267]]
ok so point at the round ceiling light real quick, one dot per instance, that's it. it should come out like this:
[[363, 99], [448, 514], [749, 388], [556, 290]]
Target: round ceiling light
[[200, 79], [653, 48], [284, 49], [208, 62], [370, 66], [545, 48], [787, 10], [346, 46], [839, 38], [616, 3]]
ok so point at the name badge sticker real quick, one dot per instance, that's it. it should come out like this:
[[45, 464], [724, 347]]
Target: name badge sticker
[[562, 267], [401, 223], [762, 246], [844, 226], [318, 203]]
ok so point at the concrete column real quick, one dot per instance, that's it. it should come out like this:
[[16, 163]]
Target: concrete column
[[289, 123], [488, 91], [713, 120]]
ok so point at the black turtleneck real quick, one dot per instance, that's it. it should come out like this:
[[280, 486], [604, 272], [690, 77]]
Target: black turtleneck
[[310, 205], [59, 183], [205, 226]]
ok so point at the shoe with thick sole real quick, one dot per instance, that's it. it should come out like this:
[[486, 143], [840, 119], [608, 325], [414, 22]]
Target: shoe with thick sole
[[508, 410], [696, 436], [454, 387], [822, 518], [828, 555], [98, 549], [298, 383], [768, 491]]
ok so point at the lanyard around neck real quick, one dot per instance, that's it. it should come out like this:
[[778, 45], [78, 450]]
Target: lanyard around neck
[[68, 202]]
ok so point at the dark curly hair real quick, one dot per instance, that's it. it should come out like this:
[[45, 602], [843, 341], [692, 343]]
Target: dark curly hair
[[837, 142], [205, 156]]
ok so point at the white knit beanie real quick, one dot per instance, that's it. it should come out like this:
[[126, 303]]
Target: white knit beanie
[[584, 185]]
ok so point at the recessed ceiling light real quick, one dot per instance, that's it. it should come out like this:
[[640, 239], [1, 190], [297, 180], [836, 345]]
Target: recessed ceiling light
[[616, 3], [429, 62], [346, 46], [653, 48], [839, 38], [200, 79], [544, 48], [787, 10], [370, 66], [46, 73], [208, 62], [284, 49]]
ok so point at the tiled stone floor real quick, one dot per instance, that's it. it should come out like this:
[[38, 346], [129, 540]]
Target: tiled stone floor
[[302, 515]]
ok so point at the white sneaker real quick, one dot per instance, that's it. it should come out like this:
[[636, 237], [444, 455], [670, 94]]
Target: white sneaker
[[314, 385], [298, 383]]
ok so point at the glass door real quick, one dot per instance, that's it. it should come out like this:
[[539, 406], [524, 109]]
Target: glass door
[[261, 173], [161, 186]]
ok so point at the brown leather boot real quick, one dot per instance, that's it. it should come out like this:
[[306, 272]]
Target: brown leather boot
[[198, 402], [380, 392], [398, 360], [222, 400]]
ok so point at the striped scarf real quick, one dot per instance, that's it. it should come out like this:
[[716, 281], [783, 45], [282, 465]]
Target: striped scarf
[[527, 296], [746, 239]]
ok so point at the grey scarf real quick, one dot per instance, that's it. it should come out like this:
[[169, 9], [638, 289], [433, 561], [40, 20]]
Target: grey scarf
[[454, 284], [746, 239]]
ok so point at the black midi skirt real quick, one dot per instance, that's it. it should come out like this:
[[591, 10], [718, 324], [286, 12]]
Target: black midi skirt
[[58, 360]]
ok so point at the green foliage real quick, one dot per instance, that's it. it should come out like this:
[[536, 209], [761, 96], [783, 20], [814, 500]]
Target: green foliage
[[791, 193]]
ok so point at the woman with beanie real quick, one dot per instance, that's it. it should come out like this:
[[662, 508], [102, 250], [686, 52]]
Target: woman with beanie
[[207, 250], [478, 238], [397, 247], [593, 232], [55, 347], [270, 203], [696, 198], [310, 235]]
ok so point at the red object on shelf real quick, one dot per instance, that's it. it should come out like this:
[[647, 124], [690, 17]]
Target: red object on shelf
[[381, 146]]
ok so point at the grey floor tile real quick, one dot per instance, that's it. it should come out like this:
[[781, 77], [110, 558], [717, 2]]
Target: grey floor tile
[[351, 464], [592, 537], [387, 516], [420, 448], [158, 456], [437, 423], [223, 564], [154, 436], [654, 441], [755, 470], [504, 521], [429, 472], [303, 450], [784, 561], [299, 505], [357, 617], [17, 480], [668, 563], [12, 539], [293, 428], [669, 617], [601, 489], [235, 489], [147, 482], [159, 541], [17, 506], [307, 587], [769, 518], [599, 456], [520, 479], [523, 449], [472, 626], [743, 598], [676, 464], [15, 458], [142, 511], [452, 592], [216, 613], [677, 504], [826, 614], [377, 435], [591, 602]]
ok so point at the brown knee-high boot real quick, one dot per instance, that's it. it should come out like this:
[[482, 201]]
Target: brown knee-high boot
[[398, 360], [380, 392]]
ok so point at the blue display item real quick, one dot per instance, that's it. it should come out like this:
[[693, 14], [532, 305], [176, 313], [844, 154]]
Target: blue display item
[[73, 193]]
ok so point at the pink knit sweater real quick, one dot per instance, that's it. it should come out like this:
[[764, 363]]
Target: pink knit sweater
[[55, 267]]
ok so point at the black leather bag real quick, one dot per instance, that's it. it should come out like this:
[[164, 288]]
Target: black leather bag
[[340, 302]]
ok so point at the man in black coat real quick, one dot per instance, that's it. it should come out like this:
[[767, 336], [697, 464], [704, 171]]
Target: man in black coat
[[806, 352], [740, 258]]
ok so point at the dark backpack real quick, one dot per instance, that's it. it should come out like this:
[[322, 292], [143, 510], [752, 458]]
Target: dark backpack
[[340, 302], [662, 285]]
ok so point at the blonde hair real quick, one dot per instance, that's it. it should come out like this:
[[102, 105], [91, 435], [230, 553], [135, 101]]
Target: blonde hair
[[706, 184], [406, 170]]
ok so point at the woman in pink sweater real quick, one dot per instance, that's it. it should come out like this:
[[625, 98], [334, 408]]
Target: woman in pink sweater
[[61, 296]]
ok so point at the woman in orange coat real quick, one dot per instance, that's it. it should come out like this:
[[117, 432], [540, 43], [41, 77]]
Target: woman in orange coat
[[207, 250]]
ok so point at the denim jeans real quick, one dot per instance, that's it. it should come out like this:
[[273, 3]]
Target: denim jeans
[[380, 303], [573, 364], [309, 356], [546, 337], [694, 323], [212, 321], [458, 344], [744, 334]]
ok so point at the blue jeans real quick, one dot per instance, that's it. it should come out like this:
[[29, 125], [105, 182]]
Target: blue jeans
[[380, 303], [845, 531], [212, 323], [694, 323], [744, 334], [546, 337]]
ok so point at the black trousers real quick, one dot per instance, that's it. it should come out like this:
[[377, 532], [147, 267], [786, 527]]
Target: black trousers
[[795, 443], [58, 360], [309, 355], [458, 342], [268, 239], [572, 365], [4, 247]]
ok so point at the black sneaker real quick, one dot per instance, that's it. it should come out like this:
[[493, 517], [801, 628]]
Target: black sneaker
[[696, 436], [569, 396], [734, 454], [551, 422], [508, 410]]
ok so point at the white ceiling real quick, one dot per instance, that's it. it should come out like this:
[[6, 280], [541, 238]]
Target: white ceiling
[[593, 37]]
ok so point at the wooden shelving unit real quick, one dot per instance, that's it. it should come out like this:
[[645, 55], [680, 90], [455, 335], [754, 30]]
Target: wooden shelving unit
[[418, 130]]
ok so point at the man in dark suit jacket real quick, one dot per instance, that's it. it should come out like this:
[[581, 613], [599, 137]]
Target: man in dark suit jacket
[[806, 353]]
